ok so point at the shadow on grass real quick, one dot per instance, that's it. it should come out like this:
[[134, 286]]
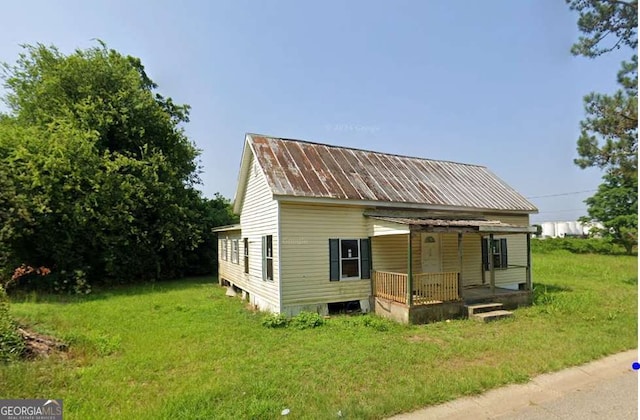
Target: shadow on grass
[[106, 292], [551, 288], [633, 281], [546, 294]]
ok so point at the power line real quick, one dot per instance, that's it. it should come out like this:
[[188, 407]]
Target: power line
[[561, 194], [561, 211]]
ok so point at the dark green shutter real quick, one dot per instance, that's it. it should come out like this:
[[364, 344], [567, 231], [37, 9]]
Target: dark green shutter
[[365, 258], [503, 253], [264, 258], [334, 259], [485, 253]]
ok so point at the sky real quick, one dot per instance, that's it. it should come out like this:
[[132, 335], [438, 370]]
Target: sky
[[490, 83]]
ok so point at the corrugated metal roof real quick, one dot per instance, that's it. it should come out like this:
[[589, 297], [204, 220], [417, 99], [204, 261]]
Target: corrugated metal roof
[[304, 169], [479, 225]]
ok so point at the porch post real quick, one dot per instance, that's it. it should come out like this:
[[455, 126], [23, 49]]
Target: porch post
[[482, 268], [409, 272], [460, 263], [529, 286], [491, 265]]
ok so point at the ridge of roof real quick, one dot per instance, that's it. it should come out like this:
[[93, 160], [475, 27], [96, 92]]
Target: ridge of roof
[[357, 149]]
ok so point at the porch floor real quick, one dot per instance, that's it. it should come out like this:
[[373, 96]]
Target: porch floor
[[480, 293]]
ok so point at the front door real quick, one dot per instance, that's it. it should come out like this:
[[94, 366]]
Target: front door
[[431, 260]]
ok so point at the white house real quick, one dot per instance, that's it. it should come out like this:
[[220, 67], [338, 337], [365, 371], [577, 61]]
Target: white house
[[323, 227]]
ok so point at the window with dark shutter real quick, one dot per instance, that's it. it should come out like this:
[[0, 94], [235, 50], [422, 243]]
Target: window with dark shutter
[[267, 257], [246, 255], [495, 252], [365, 258], [334, 259], [349, 259], [503, 254]]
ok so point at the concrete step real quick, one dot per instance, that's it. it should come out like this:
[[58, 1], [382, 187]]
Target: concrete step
[[491, 316], [482, 307]]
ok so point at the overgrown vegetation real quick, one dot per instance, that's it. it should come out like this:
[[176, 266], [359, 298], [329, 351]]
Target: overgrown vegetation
[[97, 178], [11, 342], [577, 246], [302, 321], [197, 349]]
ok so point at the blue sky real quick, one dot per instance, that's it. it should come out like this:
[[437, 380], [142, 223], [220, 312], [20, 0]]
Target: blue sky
[[491, 83]]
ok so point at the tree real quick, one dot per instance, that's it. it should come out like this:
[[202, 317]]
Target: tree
[[98, 179], [615, 204], [609, 133], [600, 21]]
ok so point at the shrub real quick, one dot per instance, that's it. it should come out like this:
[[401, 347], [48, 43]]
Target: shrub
[[275, 321], [11, 342], [372, 321], [577, 246], [306, 320]]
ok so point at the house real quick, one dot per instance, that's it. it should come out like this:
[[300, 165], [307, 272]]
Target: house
[[323, 228]]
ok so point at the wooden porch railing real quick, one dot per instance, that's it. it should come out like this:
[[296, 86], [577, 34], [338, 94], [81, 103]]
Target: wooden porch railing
[[389, 285], [435, 287], [427, 287]]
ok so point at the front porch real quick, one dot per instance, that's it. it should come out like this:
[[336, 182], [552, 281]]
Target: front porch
[[434, 288], [448, 264]]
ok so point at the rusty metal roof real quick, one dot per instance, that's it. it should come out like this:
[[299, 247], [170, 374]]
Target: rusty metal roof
[[489, 226], [303, 169]]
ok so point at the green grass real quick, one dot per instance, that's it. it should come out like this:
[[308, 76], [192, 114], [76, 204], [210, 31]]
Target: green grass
[[184, 350]]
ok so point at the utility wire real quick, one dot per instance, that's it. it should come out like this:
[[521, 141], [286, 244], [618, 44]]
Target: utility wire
[[561, 211], [561, 194]]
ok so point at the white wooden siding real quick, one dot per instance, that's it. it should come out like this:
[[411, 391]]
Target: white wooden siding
[[389, 253], [383, 227], [258, 218], [516, 252], [305, 233], [228, 270]]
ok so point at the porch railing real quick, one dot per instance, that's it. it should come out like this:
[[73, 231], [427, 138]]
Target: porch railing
[[390, 285], [435, 287], [427, 287]]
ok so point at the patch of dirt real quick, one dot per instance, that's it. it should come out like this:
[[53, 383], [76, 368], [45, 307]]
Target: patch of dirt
[[40, 345]]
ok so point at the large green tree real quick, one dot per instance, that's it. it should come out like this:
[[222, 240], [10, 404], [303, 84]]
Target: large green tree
[[615, 204], [609, 132], [98, 175]]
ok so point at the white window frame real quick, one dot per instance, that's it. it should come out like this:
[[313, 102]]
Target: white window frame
[[235, 251], [223, 250], [266, 258], [359, 276], [245, 254]]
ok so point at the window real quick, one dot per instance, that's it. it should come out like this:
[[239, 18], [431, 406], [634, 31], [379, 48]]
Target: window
[[223, 249], [349, 259], [494, 251], [235, 252], [267, 257], [246, 255]]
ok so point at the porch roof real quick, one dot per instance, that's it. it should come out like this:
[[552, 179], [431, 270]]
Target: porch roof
[[226, 228], [457, 225]]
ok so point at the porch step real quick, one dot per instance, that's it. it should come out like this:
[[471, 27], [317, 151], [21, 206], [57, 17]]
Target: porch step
[[482, 307], [491, 316]]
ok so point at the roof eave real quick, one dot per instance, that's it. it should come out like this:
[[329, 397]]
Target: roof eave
[[390, 204], [226, 228], [243, 175]]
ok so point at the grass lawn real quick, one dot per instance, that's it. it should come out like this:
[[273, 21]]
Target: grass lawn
[[184, 350]]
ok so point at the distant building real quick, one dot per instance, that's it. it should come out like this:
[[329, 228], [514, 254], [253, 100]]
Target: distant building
[[567, 229]]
